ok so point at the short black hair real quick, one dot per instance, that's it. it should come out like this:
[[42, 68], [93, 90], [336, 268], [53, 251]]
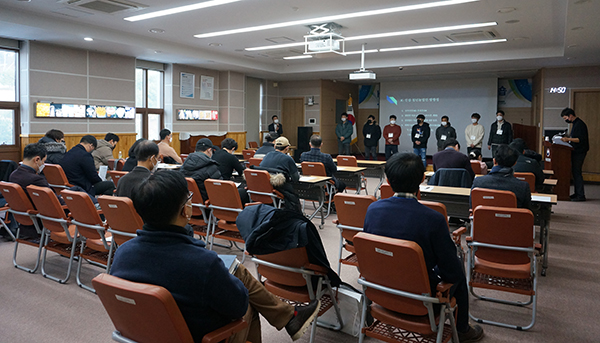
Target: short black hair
[[518, 144], [567, 112], [131, 152], [111, 137], [55, 134], [476, 116], [344, 114], [474, 154], [34, 149], [421, 116], [371, 116], [506, 156], [445, 117], [145, 150], [316, 141], [89, 139], [393, 116], [274, 116], [269, 138], [501, 112], [164, 133], [229, 143], [451, 142], [405, 172], [160, 197]]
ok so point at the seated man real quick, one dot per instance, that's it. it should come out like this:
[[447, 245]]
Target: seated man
[[131, 161], [403, 217], [104, 151], [267, 146], [54, 142], [148, 158], [501, 177], [227, 160], [451, 157], [315, 155], [78, 165], [208, 296], [279, 161], [169, 155], [200, 165], [527, 164]]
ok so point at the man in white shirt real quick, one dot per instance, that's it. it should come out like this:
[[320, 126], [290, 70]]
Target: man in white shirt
[[474, 133]]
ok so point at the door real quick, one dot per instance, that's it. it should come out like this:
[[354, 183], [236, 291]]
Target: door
[[586, 104], [292, 116]]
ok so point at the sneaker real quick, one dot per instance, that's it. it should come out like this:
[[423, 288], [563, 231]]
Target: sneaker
[[303, 316], [573, 196], [578, 199], [474, 334]]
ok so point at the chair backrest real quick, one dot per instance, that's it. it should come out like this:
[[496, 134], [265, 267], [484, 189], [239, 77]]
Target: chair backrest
[[254, 161], [83, 211], [121, 216], [259, 181], [141, 312], [116, 175], [120, 164], [247, 154], [386, 191], [196, 197], [503, 226], [17, 200], [183, 157], [476, 166], [111, 164], [223, 193], [295, 258], [492, 197], [346, 161], [47, 204], [313, 169], [438, 207], [527, 177], [396, 264], [56, 176], [451, 177], [351, 210], [253, 145]]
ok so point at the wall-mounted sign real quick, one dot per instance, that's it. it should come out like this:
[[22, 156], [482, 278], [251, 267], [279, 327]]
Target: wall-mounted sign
[[197, 115], [207, 87], [557, 90], [54, 110], [187, 83]]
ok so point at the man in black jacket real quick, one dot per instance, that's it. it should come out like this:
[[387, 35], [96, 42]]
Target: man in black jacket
[[79, 168], [372, 134], [54, 142], [578, 138], [267, 146], [148, 158], [501, 132], [526, 164], [444, 132], [420, 135], [275, 127], [200, 165], [451, 157], [227, 160]]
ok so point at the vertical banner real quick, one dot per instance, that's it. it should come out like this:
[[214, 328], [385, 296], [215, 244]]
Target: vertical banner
[[352, 119]]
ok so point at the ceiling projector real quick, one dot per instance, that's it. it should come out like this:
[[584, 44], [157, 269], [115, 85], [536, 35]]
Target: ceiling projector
[[362, 75]]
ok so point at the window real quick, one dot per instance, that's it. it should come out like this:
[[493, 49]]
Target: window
[[149, 119], [9, 105]]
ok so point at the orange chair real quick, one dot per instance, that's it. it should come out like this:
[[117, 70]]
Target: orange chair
[[95, 240], [260, 189], [200, 219], [123, 221], [289, 275], [254, 161], [476, 166], [120, 164], [148, 313], [25, 214], [503, 257], [386, 191], [492, 197], [529, 178], [116, 175], [225, 203], [253, 145], [111, 164], [56, 177], [350, 161], [183, 157], [456, 234], [394, 277], [318, 169], [5, 220], [61, 235], [247, 154], [351, 211]]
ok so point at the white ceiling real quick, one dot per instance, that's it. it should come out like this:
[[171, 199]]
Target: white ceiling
[[542, 37]]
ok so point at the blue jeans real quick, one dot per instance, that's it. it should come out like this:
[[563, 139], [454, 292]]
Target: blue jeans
[[423, 153], [390, 150]]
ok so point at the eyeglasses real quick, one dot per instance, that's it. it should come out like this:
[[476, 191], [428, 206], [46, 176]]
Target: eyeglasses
[[189, 197]]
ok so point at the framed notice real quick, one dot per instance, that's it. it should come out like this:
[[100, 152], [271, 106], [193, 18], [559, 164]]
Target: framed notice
[[207, 87], [186, 85]]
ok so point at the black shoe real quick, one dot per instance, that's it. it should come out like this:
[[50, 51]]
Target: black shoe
[[474, 334], [303, 316], [578, 199], [573, 196]]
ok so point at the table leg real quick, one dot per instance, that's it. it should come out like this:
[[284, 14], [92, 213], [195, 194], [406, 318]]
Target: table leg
[[381, 178], [544, 235]]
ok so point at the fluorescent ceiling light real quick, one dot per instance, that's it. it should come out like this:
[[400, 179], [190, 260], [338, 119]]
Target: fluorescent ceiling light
[[382, 35], [297, 57], [360, 52], [180, 9], [335, 17], [443, 45]]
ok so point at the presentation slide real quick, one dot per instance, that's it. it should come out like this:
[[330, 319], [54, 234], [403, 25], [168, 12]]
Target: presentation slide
[[457, 99]]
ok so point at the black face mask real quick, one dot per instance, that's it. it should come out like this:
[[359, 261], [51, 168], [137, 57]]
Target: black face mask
[[419, 121], [568, 121]]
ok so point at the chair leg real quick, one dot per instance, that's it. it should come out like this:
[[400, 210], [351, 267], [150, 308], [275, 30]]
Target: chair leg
[[3, 225], [110, 255], [37, 262], [363, 317], [451, 312], [440, 329], [339, 268], [73, 249]]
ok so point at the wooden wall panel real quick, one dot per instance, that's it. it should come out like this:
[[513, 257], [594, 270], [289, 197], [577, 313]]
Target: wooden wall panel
[[240, 138], [330, 92], [126, 140], [189, 146], [176, 143]]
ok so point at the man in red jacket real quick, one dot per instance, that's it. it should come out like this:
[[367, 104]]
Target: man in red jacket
[[391, 134]]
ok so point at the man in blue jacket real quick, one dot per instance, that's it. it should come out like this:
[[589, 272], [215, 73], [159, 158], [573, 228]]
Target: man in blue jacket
[[78, 165], [208, 295], [343, 131]]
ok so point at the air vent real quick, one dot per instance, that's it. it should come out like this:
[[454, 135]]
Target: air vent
[[473, 36], [106, 6]]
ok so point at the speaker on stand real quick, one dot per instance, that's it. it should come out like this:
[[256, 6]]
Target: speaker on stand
[[303, 144]]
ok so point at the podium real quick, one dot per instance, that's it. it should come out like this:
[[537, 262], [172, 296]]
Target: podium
[[557, 157]]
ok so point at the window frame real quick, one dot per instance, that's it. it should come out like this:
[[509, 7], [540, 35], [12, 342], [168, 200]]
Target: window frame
[[145, 111], [10, 151]]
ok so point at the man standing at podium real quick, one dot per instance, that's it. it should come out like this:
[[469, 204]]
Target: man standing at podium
[[578, 138]]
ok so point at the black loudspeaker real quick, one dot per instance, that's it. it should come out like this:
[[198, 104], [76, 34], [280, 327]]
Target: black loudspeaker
[[303, 144]]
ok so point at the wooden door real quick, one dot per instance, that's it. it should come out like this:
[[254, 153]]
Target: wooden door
[[292, 116], [586, 104]]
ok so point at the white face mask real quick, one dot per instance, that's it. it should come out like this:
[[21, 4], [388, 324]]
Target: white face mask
[[276, 121], [473, 120], [444, 123], [155, 166], [40, 168], [499, 118], [392, 122], [343, 119]]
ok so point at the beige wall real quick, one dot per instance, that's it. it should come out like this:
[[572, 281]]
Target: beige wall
[[231, 101], [303, 89], [330, 92]]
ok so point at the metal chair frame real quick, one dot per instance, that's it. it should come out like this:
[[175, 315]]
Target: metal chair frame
[[73, 239]]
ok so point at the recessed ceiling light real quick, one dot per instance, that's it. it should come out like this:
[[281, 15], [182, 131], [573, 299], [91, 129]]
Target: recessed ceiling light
[[301, 57], [24, 0], [513, 21], [157, 52], [446, 45], [215, 44], [156, 31], [572, 46], [89, 39], [180, 9], [507, 10], [335, 17], [577, 28]]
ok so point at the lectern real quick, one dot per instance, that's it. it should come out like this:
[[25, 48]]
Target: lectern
[[557, 157]]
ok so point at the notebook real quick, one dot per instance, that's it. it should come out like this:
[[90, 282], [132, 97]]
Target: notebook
[[231, 262]]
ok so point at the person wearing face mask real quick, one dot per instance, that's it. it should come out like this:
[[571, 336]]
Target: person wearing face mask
[[578, 138], [200, 165], [104, 151], [276, 127], [372, 134], [148, 158], [420, 136], [444, 133], [169, 155], [391, 134], [343, 131], [474, 133], [501, 133]]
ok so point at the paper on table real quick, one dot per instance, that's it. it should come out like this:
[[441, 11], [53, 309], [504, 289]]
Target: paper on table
[[425, 188], [540, 198], [307, 178]]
